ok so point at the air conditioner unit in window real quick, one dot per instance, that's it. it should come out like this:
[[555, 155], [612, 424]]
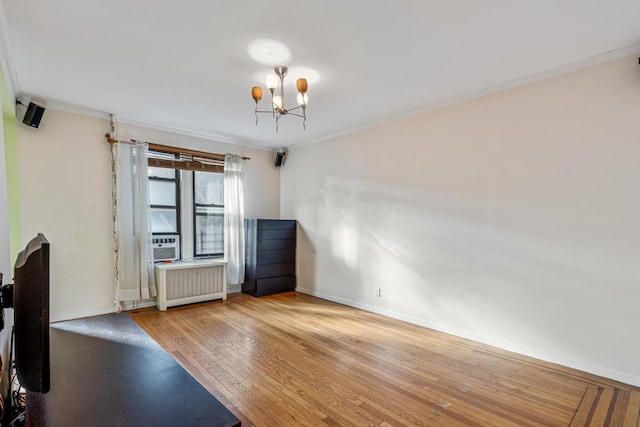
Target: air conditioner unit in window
[[166, 247]]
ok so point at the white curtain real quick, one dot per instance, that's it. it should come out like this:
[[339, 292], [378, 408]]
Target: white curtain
[[234, 218], [134, 256]]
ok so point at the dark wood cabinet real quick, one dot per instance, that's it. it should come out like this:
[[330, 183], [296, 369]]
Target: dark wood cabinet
[[270, 256]]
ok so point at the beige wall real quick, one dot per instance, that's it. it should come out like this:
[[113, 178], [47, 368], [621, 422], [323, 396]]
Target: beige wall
[[65, 188], [512, 219]]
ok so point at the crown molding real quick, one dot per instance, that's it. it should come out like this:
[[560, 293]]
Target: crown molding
[[66, 108], [184, 131], [611, 55], [84, 111]]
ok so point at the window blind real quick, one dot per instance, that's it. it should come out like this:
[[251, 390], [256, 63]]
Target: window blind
[[185, 161]]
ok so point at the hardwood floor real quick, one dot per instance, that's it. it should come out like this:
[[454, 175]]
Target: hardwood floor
[[295, 360]]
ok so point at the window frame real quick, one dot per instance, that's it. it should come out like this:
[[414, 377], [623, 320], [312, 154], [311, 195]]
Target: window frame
[[176, 181], [195, 215]]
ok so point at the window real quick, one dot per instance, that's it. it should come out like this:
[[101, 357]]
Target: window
[[186, 198], [208, 203], [164, 196]]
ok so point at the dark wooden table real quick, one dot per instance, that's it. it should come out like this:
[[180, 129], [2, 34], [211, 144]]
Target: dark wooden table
[[120, 379]]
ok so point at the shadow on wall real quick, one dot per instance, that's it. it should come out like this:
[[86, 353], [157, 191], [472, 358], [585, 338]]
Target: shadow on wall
[[305, 257], [475, 266]]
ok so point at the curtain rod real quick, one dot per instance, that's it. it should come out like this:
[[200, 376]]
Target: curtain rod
[[169, 149]]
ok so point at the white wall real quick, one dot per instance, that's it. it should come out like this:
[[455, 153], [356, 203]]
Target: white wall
[[512, 219], [65, 188]]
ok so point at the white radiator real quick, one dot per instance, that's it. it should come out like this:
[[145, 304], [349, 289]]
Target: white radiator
[[186, 282]]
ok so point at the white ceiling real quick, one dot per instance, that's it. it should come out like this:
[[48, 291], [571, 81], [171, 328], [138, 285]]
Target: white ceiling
[[184, 65]]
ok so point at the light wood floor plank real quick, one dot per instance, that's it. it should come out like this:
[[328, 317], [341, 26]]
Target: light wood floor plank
[[603, 407], [584, 411], [295, 360], [633, 409]]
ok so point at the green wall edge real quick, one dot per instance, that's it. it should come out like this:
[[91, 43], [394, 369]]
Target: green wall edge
[[10, 131]]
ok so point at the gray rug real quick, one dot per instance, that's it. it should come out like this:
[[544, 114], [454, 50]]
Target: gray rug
[[116, 327]]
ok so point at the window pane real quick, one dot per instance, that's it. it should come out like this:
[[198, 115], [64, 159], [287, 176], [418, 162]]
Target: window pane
[[162, 193], [208, 188], [164, 220], [162, 172], [209, 230]]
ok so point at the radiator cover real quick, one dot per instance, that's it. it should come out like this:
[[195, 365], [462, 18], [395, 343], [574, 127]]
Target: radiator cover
[[187, 282]]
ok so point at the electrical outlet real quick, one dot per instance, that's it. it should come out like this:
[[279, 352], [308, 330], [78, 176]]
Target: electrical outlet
[[378, 292]]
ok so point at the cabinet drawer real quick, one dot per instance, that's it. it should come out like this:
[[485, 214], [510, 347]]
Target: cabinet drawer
[[275, 244], [282, 234], [275, 285], [276, 224], [274, 257], [274, 270]]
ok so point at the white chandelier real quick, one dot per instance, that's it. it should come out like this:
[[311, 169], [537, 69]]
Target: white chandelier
[[278, 108]]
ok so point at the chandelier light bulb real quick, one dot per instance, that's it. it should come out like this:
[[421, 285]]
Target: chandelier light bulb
[[277, 101], [256, 93], [302, 85], [272, 81], [302, 99]]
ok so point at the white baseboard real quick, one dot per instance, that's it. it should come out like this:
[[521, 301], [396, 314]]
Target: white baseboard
[[601, 371], [234, 289], [61, 317]]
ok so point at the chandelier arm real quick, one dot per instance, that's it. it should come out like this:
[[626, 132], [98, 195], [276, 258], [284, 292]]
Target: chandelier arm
[[282, 90], [256, 111], [273, 110], [304, 117]]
